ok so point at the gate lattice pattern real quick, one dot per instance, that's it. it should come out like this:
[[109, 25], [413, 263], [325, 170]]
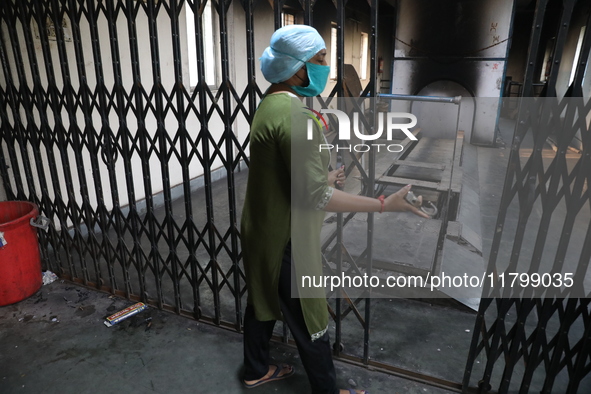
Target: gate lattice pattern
[[116, 125], [530, 344]]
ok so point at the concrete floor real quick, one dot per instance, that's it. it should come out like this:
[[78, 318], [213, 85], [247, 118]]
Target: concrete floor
[[56, 342]]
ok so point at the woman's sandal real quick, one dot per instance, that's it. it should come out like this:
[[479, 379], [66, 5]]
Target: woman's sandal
[[273, 377]]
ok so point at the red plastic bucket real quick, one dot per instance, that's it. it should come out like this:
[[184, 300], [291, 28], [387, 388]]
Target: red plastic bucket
[[20, 263]]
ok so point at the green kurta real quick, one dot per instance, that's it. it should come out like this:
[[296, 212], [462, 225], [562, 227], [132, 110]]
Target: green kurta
[[276, 186]]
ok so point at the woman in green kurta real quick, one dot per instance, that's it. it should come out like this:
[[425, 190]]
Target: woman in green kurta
[[283, 213], [267, 217]]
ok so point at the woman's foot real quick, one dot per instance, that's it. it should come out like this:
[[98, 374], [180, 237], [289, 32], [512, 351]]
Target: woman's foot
[[272, 375]]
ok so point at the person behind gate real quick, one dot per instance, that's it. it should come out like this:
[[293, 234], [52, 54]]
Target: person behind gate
[[280, 227]]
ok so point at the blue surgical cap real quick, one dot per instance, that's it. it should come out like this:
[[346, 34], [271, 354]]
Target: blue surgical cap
[[291, 46]]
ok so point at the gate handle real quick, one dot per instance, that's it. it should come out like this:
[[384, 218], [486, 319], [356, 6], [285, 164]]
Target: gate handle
[[432, 211], [41, 222]]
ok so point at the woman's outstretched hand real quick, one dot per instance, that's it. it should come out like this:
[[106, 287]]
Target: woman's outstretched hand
[[337, 177], [396, 203], [345, 202]]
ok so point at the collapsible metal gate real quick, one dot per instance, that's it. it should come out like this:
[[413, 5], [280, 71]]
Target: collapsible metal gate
[[80, 139], [526, 338]]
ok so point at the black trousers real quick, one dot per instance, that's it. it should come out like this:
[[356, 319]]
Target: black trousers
[[316, 355]]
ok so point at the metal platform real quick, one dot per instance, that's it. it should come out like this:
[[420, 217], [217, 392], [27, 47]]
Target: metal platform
[[403, 242]]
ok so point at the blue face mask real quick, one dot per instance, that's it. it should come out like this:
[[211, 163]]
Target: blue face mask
[[317, 75]]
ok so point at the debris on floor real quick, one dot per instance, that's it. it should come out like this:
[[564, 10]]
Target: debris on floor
[[124, 314], [49, 277]]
